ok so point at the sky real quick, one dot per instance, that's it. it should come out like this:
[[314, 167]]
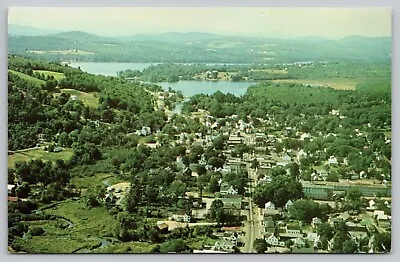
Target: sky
[[117, 21]]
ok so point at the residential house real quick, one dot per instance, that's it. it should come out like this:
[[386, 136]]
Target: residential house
[[345, 216], [288, 204], [269, 205], [152, 145], [232, 237], [315, 222], [356, 227], [145, 131], [225, 189], [272, 240], [163, 228], [372, 205], [270, 210], [223, 245], [293, 229], [181, 217], [383, 220], [332, 160], [10, 189]]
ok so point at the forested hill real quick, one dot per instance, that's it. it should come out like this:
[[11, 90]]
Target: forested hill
[[47, 99], [198, 48]]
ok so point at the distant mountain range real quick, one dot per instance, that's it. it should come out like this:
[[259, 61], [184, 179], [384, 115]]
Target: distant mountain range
[[19, 30], [193, 47]]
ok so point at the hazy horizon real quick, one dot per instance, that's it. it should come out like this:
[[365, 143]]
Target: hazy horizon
[[286, 22]]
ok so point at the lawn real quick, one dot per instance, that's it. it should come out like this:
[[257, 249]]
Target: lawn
[[39, 153], [58, 76], [201, 242], [34, 80], [89, 99]]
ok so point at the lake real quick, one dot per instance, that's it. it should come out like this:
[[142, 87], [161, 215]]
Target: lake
[[188, 88]]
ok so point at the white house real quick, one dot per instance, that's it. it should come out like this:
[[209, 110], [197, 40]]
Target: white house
[[225, 189], [232, 238], [269, 206], [181, 217], [292, 229], [272, 240], [372, 205], [10, 188], [223, 245], [332, 160], [288, 204], [315, 222]]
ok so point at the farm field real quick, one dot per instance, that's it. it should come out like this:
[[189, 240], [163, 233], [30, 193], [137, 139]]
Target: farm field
[[338, 84], [58, 76], [34, 80], [89, 99], [39, 153]]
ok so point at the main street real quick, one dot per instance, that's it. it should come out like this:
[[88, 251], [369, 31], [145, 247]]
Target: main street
[[253, 223]]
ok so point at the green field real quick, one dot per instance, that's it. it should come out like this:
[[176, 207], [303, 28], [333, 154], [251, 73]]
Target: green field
[[39, 153], [33, 80], [338, 84], [86, 229], [92, 181], [128, 247], [58, 76], [89, 99]]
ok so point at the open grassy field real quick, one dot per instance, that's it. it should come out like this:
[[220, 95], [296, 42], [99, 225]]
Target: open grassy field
[[58, 76], [89, 99], [338, 84], [87, 228], [128, 247], [103, 179], [39, 153], [33, 80]]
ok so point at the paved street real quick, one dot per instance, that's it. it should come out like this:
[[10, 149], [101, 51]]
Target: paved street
[[253, 223]]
